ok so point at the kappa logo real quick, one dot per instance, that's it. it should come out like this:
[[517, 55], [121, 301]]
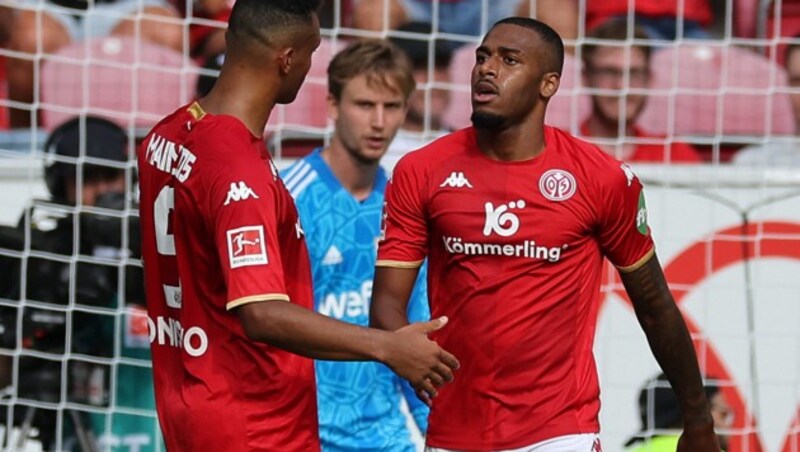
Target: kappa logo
[[456, 179], [246, 246], [557, 185], [239, 192], [500, 221]]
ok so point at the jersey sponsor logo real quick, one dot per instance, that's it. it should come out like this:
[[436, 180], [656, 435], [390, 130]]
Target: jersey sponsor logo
[[239, 192], [347, 304], [527, 249], [641, 215], [456, 179], [333, 256], [628, 173], [500, 221], [246, 246], [557, 185], [169, 331]]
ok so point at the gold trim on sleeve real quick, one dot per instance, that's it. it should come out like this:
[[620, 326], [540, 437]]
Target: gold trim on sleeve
[[398, 264], [255, 299], [638, 264], [196, 111]]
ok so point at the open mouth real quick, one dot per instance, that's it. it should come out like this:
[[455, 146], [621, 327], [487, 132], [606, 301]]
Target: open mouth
[[484, 91], [376, 142]]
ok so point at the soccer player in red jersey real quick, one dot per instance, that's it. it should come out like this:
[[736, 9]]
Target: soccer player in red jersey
[[515, 219], [227, 273]]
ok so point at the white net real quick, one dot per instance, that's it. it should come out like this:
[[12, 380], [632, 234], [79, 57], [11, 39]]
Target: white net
[[74, 356]]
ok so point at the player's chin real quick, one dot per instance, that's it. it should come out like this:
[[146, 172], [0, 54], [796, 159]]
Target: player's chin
[[370, 155]]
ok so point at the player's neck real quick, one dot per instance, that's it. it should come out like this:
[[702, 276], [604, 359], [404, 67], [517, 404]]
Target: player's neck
[[515, 143], [238, 96], [356, 176]]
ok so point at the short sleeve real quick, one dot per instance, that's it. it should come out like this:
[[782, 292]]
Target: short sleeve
[[404, 232], [623, 233], [242, 210]]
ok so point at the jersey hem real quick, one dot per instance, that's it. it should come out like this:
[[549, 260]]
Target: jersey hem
[[638, 264], [398, 264], [256, 298]]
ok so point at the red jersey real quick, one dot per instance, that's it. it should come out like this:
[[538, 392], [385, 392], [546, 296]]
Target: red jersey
[[675, 152], [598, 11], [515, 251], [220, 230]]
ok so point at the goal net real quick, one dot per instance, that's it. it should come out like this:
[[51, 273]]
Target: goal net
[[74, 339]]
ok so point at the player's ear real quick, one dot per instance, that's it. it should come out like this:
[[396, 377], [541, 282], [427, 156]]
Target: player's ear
[[285, 57], [549, 84], [333, 107]]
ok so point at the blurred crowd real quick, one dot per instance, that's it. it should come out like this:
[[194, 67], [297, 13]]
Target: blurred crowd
[[669, 82]]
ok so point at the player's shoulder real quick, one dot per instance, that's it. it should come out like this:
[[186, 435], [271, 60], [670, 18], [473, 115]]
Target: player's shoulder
[[442, 149], [590, 163]]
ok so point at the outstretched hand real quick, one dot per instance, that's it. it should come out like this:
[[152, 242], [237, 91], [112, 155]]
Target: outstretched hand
[[698, 440], [420, 360]]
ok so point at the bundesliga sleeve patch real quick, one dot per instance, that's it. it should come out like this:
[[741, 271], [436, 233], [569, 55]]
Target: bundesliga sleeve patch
[[246, 246], [641, 215]]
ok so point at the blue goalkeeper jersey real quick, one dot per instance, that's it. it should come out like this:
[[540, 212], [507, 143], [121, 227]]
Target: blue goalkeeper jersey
[[358, 402]]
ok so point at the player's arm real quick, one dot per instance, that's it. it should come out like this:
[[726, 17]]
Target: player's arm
[[672, 347], [408, 351], [391, 289]]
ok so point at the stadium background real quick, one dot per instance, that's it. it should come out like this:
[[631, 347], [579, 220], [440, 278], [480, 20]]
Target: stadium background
[[728, 236]]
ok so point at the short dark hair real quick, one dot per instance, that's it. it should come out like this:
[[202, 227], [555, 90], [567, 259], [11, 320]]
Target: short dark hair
[[378, 59], [551, 39], [255, 19], [418, 48], [614, 30]]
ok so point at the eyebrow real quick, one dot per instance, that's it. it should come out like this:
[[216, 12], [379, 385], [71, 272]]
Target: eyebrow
[[501, 49]]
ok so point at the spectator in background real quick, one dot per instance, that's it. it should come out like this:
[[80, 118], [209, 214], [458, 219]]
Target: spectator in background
[[6, 17], [781, 150], [205, 40], [426, 106], [51, 24], [659, 410], [53, 227], [461, 17], [660, 19], [338, 191], [619, 71]]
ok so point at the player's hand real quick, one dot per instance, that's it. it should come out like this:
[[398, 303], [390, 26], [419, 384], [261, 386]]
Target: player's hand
[[699, 439], [420, 360]]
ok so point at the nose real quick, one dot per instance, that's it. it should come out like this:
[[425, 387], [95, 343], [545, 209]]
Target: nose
[[378, 117]]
